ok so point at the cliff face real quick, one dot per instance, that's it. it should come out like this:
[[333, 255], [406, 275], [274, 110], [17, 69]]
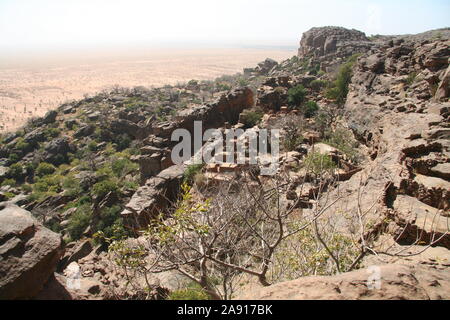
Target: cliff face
[[398, 107], [329, 46]]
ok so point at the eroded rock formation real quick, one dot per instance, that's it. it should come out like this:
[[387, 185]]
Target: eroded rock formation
[[29, 253]]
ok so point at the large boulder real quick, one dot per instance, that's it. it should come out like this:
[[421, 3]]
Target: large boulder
[[272, 98], [121, 126], [150, 199], [330, 46], [29, 253], [339, 41], [56, 150], [395, 282], [265, 66], [50, 117], [84, 131]]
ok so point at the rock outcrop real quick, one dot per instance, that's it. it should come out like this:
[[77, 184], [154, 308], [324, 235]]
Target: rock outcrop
[[332, 45], [152, 198], [29, 253], [391, 108], [395, 282], [155, 156]]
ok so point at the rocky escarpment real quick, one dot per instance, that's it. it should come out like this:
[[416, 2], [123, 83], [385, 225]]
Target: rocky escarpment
[[224, 110], [330, 46], [160, 177], [398, 107], [29, 253], [395, 108]]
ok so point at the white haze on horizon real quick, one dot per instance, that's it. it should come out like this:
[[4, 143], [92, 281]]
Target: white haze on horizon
[[68, 24]]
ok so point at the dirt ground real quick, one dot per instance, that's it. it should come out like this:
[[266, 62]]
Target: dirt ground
[[30, 85]]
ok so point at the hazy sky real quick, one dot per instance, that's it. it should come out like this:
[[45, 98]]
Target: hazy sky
[[69, 23]]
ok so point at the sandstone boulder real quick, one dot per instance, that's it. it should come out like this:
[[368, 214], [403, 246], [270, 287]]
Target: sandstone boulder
[[154, 196], [396, 282], [29, 253]]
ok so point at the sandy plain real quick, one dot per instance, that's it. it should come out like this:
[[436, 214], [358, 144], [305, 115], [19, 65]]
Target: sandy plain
[[32, 84]]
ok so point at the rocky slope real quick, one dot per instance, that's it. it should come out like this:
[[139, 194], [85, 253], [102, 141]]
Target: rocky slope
[[375, 110], [397, 106]]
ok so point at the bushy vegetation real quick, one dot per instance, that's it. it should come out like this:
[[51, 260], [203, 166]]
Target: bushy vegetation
[[191, 171], [79, 221], [9, 182], [15, 171], [296, 96], [101, 189], [122, 166], [122, 141], [251, 118], [22, 146], [44, 169], [111, 222], [339, 90], [343, 140], [317, 85], [318, 163], [310, 109], [411, 78], [192, 292]]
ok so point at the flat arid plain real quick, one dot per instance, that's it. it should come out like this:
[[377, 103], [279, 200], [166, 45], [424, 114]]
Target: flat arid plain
[[33, 83]]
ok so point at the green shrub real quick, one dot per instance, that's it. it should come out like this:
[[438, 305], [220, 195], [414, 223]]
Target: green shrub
[[318, 85], [52, 132], [15, 171], [296, 96], [122, 167], [192, 82], [223, 86], [9, 182], [130, 185], [122, 141], [48, 183], [191, 171], [192, 292], [101, 189], [92, 146], [22, 145], [111, 223], [318, 163], [72, 186], [339, 90], [79, 221], [29, 168], [343, 140], [27, 188], [13, 158], [251, 117], [310, 109], [411, 78], [9, 195], [44, 169]]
